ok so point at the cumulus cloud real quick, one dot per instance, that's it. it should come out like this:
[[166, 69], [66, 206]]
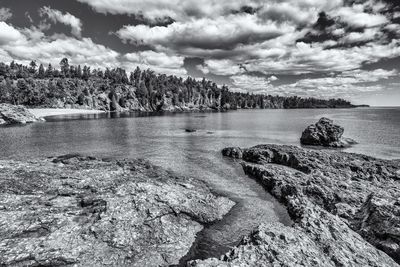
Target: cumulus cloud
[[220, 33], [344, 85], [356, 17], [5, 14], [220, 67], [26, 44], [8, 34], [29, 44], [55, 15], [157, 61]]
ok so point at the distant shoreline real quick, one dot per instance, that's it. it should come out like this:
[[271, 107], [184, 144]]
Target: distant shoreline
[[47, 112]]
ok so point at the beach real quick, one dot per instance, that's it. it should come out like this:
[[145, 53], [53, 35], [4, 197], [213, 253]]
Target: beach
[[46, 112]]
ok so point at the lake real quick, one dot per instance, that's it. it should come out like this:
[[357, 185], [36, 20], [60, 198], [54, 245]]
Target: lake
[[164, 141]]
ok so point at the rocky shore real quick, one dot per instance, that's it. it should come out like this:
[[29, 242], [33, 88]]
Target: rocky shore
[[12, 114], [83, 211], [345, 208]]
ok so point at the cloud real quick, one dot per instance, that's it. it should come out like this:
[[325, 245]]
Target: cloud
[[220, 67], [8, 33], [158, 61], [67, 19], [29, 44], [176, 9], [220, 33], [345, 85], [26, 44], [5, 14], [356, 17]]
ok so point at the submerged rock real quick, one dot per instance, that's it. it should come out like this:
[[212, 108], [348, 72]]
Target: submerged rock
[[345, 209], [325, 133], [12, 114], [190, 130], [83, 211]]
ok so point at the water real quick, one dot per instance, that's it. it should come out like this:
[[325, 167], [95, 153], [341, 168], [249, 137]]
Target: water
[[163, 141]]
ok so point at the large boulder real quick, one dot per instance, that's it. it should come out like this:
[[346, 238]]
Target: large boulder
[[12, 114], [325, 133]]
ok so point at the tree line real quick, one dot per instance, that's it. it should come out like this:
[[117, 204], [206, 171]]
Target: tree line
[[115, 89]]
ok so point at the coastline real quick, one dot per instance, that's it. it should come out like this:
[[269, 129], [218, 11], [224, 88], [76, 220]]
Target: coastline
[[343, 206], [47, 112]]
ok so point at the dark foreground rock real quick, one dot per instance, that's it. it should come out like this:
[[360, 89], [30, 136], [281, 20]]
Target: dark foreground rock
[[82, 211], [345, 208], [325, 133], [11, 114]]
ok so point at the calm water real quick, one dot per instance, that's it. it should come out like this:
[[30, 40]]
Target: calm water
[[163, 141]]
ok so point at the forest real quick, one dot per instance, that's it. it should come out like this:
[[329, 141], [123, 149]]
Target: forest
[[70, 86]]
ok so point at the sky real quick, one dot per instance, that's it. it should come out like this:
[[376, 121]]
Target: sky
[[309, 48]]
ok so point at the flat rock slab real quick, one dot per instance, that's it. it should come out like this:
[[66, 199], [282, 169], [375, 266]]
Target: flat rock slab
[[12, 114], [346, 209], [83, 211]]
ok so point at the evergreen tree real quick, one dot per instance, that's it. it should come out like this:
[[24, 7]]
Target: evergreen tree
[[64, 67], [79, 72], [41, 72], [33, 66], [49, 72]]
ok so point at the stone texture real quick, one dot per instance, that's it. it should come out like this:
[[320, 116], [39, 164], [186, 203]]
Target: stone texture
[[11, 114], [82, 211], [345, 208], [325, 133], [318, 238]]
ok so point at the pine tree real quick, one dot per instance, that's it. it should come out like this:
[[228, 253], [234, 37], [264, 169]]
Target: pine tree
[[64, 67], [49, 72], [33, 66], [79, 72], [41, 73]]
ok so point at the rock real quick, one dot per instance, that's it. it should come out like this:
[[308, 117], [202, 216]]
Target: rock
[[190, 130], [340, 203], [318, 238], [11, 114], [83, 211], [325, 133], [233, 152]]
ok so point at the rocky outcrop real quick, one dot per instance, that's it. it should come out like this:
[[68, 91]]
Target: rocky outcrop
[[83, 211], [325, 133], [317, 238], [345, 208], [12, 114]]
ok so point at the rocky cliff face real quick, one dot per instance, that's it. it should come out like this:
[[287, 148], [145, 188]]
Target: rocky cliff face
[[11, 114], [82, 211], [345, 208]]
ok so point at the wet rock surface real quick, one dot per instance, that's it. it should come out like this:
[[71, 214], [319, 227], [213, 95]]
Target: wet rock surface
[[325, 133], [82, 211], [345, 208], [12, 114]]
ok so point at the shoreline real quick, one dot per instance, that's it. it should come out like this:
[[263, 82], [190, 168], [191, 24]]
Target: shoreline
[[343, 206], [49, 112]]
